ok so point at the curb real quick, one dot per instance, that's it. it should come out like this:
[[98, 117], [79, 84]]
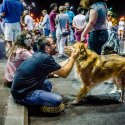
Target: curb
[[16, 114]]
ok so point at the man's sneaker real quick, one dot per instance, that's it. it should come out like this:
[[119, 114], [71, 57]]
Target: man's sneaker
[[57, 109]]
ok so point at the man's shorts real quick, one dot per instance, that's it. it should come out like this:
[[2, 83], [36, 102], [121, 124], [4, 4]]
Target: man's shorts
[[11, 31]]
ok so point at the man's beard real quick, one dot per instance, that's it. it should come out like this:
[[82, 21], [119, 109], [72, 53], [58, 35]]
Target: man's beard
[[54, 52]]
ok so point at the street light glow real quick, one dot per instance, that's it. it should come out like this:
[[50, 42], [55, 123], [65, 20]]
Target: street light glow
[[24, 4], [33, 4], [31, 15], [29, 7]]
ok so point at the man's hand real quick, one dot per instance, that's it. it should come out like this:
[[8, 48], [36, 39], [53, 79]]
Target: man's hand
[[75, 54], [66, 69]]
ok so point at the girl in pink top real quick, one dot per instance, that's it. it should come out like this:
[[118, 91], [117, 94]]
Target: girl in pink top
[[21, 51]]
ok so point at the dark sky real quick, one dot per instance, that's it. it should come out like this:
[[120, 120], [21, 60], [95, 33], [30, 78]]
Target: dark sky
[[117, 5]]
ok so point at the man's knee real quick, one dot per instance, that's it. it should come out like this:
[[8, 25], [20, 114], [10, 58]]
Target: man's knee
[[57, 100]]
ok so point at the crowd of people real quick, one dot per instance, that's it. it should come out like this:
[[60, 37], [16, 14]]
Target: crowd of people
[[30, 49]]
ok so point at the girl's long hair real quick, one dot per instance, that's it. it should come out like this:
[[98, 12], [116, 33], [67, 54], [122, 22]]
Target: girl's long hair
[[19, 43]]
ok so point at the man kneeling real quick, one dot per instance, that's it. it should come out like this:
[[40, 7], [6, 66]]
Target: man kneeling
[[30, 87]]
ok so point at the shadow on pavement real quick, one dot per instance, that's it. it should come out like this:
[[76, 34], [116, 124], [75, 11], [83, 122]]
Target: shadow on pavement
[[98, 100]]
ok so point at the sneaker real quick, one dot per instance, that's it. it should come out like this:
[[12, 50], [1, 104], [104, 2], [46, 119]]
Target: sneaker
[[56, 109]]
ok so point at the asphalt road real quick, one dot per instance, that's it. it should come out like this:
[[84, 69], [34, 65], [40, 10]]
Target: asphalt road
[[100, 108]]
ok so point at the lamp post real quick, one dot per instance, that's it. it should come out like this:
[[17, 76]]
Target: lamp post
[[29, 7]]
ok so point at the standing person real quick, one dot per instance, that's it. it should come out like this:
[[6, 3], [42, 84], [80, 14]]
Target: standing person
[[21, 50], [45, 23], [109, 23], [96, 24], [1, 23], [121, 27], [30, 86], [79, 23], [62, 22], [11, 11], [52, 15], [28, 20], [71, 16]]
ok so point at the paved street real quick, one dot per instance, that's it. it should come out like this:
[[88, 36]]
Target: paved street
[[101, 109], [122, 45], [24, 26]]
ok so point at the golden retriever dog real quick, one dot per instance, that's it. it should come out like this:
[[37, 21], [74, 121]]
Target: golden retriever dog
[[94, 69]]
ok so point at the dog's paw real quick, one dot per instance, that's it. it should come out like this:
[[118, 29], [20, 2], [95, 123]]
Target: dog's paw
[[121, 100]]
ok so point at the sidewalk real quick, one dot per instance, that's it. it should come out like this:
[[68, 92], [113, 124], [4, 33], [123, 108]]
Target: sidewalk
[[10, 113]]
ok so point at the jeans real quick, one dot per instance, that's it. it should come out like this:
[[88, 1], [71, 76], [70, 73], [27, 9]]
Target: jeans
[[42, 97], [46, 32], [71, 36], [53, 35]]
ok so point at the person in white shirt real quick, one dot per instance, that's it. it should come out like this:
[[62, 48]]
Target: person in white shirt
[[109, 23], [45, 25], [28, 20], [79, 23], [121, 27]]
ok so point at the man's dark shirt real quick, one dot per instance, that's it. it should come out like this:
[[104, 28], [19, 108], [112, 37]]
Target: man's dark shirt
[[32, 73]]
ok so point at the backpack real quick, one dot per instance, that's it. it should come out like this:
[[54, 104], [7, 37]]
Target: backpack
[[112, 46]]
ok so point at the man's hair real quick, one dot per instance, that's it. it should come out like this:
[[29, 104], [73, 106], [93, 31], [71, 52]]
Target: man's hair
[[52, 6], [44, 11], [26, 12], [42, 42], [79, 9], [67, 3]]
